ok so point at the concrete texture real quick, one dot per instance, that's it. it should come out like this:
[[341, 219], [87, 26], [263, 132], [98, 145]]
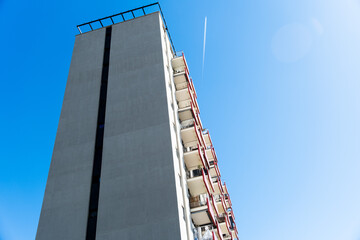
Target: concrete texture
[[137, 192], [65, 207]]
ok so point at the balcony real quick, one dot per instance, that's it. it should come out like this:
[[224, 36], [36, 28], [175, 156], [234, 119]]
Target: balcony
[[214, 169], [185, 97], [185, 91], [210, 154], [181, 73], [190, 134], [189, 113], [234, 235], [214, 204], [198, 201], [227, 200], [233, 227], [221, 204], [195, 159], [224, 225], [180, 68], [209, 232], [231, 214], [208, 142], [203, 215], [218, 232], [225, 189], [199, 183], [218, 187], [212, 160]]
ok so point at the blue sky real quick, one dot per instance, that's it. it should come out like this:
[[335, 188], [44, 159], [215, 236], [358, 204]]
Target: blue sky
[[280, 95]]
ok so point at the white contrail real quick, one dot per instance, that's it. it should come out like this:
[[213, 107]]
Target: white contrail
[[203, 60]]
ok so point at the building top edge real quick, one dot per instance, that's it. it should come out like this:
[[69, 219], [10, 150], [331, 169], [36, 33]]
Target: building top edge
[[125, 17]]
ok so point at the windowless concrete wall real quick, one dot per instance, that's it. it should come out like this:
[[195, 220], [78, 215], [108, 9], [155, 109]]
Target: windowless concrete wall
[[66, 202], [137, 192], [137, 197]]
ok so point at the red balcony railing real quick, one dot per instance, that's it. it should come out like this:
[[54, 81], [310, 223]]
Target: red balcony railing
[[211, 212], [227, 197], [223, 202], [211, 182], [200, 151], [219, 232], [199, 135], [191, 84], [191, 135], [214, 205], [232, 214], [219, 185], [214, 154], [227, 222], [214, 236], [196, 115], [193, 99], [205, 179], [208, 136], [225, 189], [206, 158], [215, 168], [193, 88]]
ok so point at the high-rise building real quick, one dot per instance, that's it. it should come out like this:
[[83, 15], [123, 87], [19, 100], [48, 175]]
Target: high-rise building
[[131, 158]]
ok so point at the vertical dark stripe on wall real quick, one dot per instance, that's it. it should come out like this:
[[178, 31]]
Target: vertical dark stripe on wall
[[95, 181]]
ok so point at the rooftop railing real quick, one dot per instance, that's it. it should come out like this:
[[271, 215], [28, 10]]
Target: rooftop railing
[[123, 17]]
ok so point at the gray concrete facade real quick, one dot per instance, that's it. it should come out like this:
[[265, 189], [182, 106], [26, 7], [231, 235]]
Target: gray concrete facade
[[66, 201], [137, 192], [138, 198]]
